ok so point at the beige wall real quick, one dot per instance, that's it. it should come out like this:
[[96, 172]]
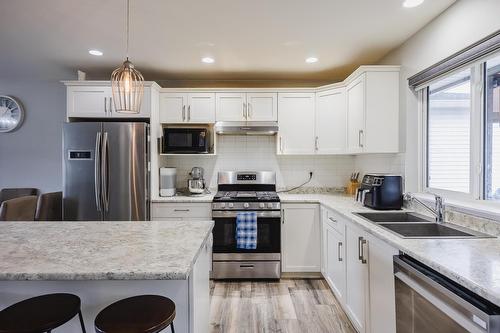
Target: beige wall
[[464, 23]]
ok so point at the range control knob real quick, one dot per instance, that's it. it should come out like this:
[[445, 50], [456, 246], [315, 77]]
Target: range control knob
[[222, 205], [246, 205], [231, 205], [262, 205], [270, 205]]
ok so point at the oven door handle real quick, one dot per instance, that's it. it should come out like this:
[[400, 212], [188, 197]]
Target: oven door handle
[[260, 214]]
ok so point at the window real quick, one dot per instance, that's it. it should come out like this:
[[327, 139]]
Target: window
[[461, 132], [448, 133], [492, 130]]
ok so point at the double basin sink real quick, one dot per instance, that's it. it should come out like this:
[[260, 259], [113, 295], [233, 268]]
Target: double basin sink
[[413, 225]]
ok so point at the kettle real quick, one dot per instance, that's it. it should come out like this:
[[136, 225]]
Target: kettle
[[196, 185]]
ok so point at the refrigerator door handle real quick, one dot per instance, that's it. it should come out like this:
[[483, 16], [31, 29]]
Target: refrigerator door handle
[[97, 171], [105, 171]]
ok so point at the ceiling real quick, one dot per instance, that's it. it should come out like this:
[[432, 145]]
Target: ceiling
[[249, 40]]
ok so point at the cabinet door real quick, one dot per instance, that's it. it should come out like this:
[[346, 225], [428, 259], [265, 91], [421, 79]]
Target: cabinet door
[[262, 106], [201, 108], [335, 272], [382, 293], [91, 102], [356, 115], [300, 238], [296, 123], [356, 299], [173, 107], [230, 106], [331, 122]]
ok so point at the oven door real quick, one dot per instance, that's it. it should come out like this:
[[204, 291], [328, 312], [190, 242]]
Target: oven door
[[268, 235]]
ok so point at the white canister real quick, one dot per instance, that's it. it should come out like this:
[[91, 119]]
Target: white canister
[[168, 179]]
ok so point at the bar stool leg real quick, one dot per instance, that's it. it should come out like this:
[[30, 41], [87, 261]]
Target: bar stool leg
[[81, 321], [172, 327]]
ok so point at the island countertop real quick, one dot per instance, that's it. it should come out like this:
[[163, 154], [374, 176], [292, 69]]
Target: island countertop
[[100, 250]]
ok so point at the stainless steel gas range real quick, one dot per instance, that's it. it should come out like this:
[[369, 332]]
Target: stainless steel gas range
[[249, 191]]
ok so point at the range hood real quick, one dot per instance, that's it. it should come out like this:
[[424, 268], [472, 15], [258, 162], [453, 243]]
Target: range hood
[[246, 128]]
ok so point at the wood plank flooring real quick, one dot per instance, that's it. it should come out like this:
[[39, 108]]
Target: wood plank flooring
[[290, 305]]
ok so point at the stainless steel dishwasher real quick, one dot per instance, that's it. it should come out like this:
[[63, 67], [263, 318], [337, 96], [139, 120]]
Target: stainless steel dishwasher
[[427, 301]]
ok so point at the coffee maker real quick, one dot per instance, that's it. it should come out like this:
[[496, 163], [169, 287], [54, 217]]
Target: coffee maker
[[196, 184], [381, 192]]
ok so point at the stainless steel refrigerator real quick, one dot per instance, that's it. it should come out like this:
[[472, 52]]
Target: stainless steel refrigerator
[[105, 171]]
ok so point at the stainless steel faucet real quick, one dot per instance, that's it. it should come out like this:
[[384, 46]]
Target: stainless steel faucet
[[438, 210]]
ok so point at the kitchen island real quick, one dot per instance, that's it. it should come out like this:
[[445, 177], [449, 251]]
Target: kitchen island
[[103, 262]]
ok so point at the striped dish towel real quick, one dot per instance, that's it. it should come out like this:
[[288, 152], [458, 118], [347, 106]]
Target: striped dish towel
[[246, 230]]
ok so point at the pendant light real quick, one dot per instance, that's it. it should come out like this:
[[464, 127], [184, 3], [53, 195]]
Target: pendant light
[[127, 83]]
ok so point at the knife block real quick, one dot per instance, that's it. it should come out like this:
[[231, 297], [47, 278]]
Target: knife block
[[352, 187]]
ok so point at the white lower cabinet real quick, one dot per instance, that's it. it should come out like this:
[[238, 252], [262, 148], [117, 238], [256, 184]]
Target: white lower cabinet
[[382, 307], [358, 268], [333, 256], [357, 287], [300, 238], [170, 211]]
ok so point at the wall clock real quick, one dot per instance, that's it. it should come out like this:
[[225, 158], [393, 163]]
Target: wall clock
[[11, 114]]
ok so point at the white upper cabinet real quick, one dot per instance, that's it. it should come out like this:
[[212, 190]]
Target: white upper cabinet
[[296, 123], [356, 115], [230, 106], [331, 122], [187, 108], [262, 106], [258, 106], [373, 112], [96, 101]]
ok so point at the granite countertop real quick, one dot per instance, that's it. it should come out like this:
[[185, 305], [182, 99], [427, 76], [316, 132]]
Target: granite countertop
[[181, 198], [473, 263], [100, 250]]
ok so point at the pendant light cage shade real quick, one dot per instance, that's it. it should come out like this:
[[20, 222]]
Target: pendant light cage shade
[[127, 85]]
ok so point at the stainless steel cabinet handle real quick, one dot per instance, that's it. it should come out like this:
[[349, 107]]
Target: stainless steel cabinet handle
[[332, 219], [316, 146], [183, 113], [281, 144], [105, 171], [181, 210], [247, 266], [105, 105], [283, 217], [249, 110], [189, 113], [97, 171], [340, 251], [110, 105], [361, 250], [360, 143], [245, 110]]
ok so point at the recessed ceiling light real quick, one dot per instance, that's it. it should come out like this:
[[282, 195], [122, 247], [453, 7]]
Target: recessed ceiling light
[[207, 60], [311, 60], [96, 52], [412, 3]]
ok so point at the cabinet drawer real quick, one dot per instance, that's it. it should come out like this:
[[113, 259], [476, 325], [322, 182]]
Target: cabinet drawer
[[181, 210], [335, 220]]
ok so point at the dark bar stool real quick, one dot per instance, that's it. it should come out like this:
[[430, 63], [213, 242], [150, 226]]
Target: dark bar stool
[[138, 314], [41, 314]]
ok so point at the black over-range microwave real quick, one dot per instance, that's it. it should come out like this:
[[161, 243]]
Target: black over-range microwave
[[185, 141]]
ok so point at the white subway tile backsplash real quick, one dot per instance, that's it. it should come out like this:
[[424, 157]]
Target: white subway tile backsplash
[[259, 153]]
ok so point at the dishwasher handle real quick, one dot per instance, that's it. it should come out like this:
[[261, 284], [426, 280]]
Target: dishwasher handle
[[445, 295]]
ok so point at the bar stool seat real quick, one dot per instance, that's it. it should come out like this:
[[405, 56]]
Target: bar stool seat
[[40, 314], [138, 314]]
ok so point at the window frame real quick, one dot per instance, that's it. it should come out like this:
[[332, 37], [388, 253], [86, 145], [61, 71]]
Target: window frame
[[477, 134]]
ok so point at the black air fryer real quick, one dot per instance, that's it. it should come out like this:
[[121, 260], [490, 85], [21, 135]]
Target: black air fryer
[[381, 192]]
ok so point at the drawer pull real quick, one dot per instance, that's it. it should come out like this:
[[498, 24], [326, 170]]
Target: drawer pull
[[181, 210], [247, 266], [332, 219], [340, 251]]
